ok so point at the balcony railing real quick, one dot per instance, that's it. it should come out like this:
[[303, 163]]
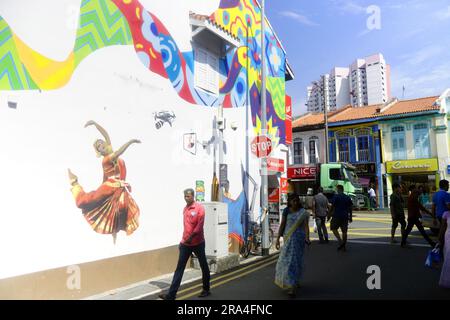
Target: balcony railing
[[344, 156], [363, 155]]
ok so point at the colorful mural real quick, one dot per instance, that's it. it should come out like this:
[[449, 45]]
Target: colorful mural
[[110, 208], [105, 23]]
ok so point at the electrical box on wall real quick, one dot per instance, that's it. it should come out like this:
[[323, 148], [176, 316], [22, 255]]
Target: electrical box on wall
[[216, 229]]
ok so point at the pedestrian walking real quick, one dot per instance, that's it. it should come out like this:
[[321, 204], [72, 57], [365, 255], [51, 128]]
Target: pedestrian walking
[[441, 200], [294, 229], [320, 211], [444, 237], [193, 241], [398, 215], [414, 207], [341, 211], [372, 198]]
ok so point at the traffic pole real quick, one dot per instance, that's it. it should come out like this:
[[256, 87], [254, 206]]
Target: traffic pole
[[264, 180]]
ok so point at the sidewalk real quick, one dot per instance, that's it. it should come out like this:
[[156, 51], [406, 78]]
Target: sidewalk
[[156, 285]]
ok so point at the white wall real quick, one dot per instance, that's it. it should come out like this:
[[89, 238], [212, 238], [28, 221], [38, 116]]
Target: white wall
[[306, 135], [42, 227]]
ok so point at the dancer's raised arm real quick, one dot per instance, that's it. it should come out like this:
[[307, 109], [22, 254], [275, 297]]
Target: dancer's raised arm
[[118, 153], [100, 129]]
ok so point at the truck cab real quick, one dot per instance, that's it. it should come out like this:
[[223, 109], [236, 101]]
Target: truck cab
[[333, 174]]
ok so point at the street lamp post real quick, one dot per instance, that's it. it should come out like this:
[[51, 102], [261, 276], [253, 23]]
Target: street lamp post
[[264, 180], [325, 112]]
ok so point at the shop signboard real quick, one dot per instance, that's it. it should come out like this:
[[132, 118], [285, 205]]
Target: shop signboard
[[284, 186], [302, 172], [408, 166], [274, 195], [364, 169], [288, 121], [275, 165]]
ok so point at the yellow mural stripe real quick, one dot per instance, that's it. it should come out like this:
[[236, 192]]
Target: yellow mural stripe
[[47, 74], [138, 13], [152, 53], [139, 46]]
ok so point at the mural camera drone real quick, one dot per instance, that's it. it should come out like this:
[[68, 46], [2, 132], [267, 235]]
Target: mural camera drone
[[162, 117]]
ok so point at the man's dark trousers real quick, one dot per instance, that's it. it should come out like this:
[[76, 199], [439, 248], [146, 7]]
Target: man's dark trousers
[[416, 222], [185, 253]]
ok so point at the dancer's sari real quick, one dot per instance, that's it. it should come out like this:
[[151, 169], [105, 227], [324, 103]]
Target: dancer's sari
[[110, 208], [290, 262]]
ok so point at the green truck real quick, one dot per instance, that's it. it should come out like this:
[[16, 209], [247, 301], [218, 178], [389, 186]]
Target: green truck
[[304, 178]]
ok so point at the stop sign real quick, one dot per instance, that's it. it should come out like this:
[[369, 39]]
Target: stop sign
[[261, 146]]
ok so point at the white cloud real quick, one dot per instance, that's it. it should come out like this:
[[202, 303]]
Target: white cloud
[[299, 18], [423, 55], [420, 83], [443, 14], [349, 6]]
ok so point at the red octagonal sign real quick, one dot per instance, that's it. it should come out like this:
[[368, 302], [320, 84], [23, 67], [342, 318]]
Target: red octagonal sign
[[261, 146]]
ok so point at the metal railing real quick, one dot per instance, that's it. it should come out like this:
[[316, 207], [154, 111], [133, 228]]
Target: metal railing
[[363, 155], [344, 156]]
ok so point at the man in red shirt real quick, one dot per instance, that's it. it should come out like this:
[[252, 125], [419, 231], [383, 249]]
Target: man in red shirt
[[414, 207], [193, 241]]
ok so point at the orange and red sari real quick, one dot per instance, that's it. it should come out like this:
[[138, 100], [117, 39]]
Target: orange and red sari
[[110, 208]]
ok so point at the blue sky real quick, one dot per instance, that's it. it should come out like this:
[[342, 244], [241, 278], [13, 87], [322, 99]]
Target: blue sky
[[414, 37]]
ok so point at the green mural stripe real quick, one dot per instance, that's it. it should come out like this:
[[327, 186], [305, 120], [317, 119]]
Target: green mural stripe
[[13, 75], [101, 24], [276, 87], [9, 71]]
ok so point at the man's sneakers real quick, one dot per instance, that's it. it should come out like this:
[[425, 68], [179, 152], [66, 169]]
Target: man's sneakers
[[342, 247], [165, 296], [204, 293]]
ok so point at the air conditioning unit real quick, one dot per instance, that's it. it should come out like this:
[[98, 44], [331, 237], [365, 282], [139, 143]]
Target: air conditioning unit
[[216, 229]]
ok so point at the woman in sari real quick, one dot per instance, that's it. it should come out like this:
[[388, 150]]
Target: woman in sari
[[444, 244], [110, 208], [295, 222]]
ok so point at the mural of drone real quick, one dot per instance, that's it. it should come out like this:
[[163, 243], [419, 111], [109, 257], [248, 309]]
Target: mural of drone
[[162, 117]]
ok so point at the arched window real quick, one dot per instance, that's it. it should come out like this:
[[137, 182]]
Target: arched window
[[398, 143], [421, 140], [298, 151], [343, 144]]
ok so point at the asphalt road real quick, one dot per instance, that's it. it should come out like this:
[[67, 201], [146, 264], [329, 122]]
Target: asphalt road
[[330, 274]]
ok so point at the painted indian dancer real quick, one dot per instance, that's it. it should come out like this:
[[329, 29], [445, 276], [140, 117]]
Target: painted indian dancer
[[110, 208]]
